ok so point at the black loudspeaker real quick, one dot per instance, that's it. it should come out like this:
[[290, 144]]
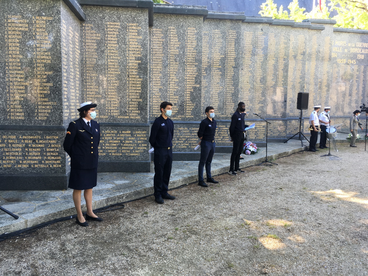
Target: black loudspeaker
[[302, 100]]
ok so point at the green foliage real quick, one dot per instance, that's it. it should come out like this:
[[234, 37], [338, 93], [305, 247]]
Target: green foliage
[[158, 2], [350, 13]]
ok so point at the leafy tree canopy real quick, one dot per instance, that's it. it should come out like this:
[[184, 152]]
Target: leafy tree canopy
[[350, 13]]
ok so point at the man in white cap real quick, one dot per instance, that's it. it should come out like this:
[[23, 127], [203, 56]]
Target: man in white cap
[[325, 121], [314, 128]]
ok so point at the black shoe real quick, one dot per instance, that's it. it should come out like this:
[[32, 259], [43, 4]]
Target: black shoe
[[92, 218], [312, 150], [353, 146], [232, 173], [211, 180], [84, 224], [159, 200], [202, 184], [167, 196], [241, 157], [240, 171]]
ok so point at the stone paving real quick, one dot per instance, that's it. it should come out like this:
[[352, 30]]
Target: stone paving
[[36, 207]]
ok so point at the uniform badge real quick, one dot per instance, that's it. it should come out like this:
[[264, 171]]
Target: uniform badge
[[68, 132], [96, 130], [239, 119], [163, 124], [81, 130], [210, 125]]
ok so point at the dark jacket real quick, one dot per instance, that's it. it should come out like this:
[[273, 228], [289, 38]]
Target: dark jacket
[[162, 132], [207, 130], [237, 124], [81, 143]]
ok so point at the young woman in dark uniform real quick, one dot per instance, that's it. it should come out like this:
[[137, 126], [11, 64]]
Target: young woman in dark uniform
[[81, 143]]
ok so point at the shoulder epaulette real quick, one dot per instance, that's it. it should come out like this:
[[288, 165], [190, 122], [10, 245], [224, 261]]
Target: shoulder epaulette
[[74, 122]]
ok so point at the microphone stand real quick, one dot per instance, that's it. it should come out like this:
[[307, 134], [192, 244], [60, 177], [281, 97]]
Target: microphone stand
[[329, 147], [9, 213], [266, 160]]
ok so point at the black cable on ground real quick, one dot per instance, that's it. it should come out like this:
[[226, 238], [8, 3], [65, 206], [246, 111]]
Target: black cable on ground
[[26, 232]]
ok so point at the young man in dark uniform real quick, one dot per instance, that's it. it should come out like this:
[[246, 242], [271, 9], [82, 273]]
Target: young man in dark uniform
[[206, 133], [237, 127], [162, 132]]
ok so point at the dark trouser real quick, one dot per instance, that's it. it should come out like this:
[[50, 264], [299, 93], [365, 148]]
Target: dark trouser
[[313, 140], [322, 141], [163, 162], [353, 137], [207, 151], [238, 144]]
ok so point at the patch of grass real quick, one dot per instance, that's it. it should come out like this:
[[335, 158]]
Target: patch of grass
[[272, 236], [226, 228], [270, 225], [170, 238], [146, 213], [252, 237], [230, 265], [256, 246], [176, 229], [304, 188], [286, 225]]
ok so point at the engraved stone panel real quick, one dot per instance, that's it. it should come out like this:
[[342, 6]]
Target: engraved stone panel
[[115, 63], [349, 72], [30, 63], [176, 65]]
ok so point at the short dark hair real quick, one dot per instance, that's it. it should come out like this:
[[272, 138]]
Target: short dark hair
[[208, 108], [356, 111], [240, 104], [83, 113], [164, 104]]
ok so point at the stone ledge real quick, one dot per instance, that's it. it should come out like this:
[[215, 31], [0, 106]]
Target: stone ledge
[[74, 6]]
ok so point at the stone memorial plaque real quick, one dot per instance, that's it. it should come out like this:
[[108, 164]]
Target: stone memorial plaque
[[39, 85], [31, 59], [349, 72], [115, 63], [176, 65], [221, 63], [124, 148]]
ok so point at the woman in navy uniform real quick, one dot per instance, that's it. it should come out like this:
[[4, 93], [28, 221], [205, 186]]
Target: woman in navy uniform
[[81, 143]]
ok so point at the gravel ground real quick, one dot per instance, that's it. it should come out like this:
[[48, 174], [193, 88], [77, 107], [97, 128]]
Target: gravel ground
[[306, 216]]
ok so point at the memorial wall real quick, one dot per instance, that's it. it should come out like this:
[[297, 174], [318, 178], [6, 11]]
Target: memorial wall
[[129, 56]]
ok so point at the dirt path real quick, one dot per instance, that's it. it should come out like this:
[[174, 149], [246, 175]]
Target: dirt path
[[306, 216]]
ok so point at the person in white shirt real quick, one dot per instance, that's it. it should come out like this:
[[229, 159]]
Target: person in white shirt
[[314, 128], [324, 121]]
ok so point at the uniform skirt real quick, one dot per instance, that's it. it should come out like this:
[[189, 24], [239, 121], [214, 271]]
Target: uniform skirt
[[82, 179]]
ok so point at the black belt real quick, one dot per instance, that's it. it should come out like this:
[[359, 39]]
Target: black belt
[[211, 141]]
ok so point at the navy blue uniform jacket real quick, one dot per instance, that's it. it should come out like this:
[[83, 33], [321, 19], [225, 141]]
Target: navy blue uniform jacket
[[81, 143], [162, 133]]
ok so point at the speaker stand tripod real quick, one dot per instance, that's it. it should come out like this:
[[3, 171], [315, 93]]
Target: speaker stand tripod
[[300, 131], [9, 213], [329, 149], [266, 160]]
